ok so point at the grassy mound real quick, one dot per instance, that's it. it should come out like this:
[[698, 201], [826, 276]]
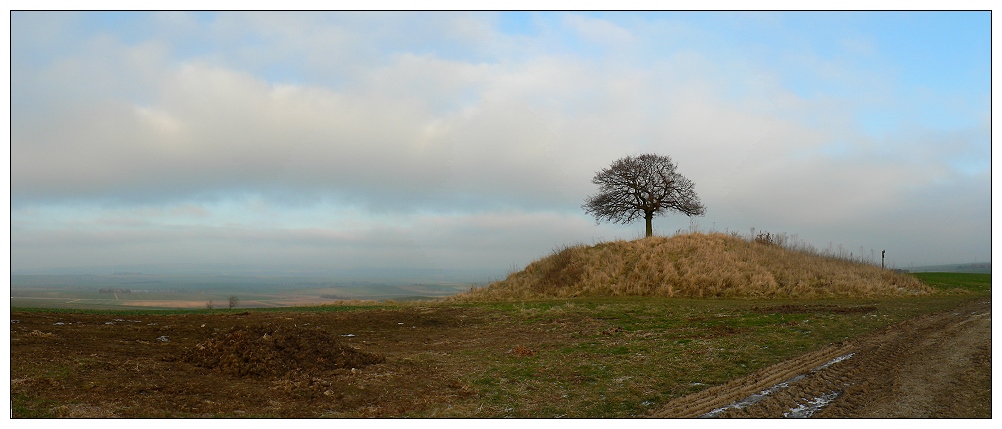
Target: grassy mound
[[696, 266], [271, 350]]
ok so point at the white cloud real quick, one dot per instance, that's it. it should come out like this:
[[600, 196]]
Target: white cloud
[[460, 152], [599, 31]]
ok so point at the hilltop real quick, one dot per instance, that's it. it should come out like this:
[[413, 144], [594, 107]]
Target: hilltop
[[697, 265]]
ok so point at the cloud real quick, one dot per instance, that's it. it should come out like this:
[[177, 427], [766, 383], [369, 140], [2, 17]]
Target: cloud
[[214, 129], [599, 31], [440, 134], [486, 242]]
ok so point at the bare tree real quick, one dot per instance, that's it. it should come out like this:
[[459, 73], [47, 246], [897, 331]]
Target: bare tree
[[233, 301], [644, 185], [209, 305]]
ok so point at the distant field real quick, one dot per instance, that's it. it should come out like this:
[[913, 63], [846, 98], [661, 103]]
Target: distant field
[[85, 300], [979, 268], [957, 282], [190, 292]]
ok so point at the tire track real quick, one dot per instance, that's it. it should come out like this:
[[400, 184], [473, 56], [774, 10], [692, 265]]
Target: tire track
[[708, 400], [900, 371]]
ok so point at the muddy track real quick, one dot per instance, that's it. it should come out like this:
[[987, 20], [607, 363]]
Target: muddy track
[[937, 365]]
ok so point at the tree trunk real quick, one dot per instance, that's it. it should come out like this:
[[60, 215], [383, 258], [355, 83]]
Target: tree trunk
[[648, 217]]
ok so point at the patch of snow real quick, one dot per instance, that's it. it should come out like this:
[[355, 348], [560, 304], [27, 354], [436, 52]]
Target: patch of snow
[[753, 398], [757, 397], [812, 406], [834, 361]]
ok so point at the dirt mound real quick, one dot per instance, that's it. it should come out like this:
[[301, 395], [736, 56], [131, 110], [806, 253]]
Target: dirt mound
[[698, 266], [276, 350]]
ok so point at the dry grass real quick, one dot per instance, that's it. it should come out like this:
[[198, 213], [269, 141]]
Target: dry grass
[[697, 265]]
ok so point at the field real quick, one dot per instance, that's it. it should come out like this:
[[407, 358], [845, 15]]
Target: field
[[581, 357], [159, 291]]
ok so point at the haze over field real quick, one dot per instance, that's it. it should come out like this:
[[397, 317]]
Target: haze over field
[[448, 141]]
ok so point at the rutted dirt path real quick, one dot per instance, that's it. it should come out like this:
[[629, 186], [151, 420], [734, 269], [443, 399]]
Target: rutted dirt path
[[937, 365]]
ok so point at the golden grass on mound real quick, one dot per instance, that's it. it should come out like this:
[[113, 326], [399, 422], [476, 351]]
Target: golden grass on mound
[[696, 266]]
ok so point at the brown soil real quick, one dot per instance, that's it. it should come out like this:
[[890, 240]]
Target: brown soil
[[937, 365], [417, 361], [310, 364], [276, 350]]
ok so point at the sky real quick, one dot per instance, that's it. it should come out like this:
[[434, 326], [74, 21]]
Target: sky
[[468, 140]]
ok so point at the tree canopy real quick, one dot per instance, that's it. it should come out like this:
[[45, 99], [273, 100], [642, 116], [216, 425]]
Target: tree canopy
[[644, 185]]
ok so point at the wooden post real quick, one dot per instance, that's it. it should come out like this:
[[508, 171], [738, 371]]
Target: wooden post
[[882, 258]]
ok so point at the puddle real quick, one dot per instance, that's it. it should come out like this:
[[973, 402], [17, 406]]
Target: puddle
[[811, 407], [758, 397], [348, 335]]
